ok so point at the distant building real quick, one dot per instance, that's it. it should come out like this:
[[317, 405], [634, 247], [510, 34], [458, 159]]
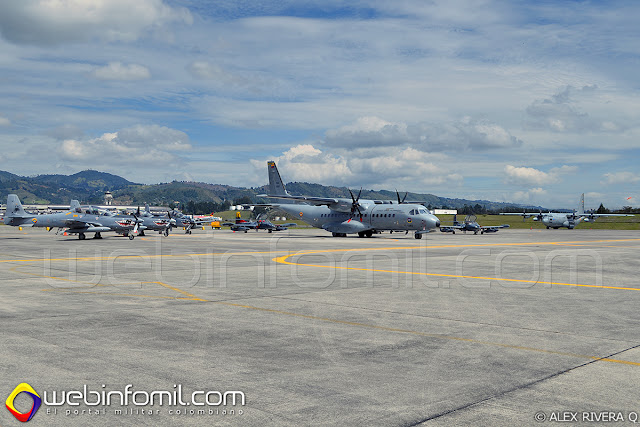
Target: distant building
[[445, 211], [108, 198]]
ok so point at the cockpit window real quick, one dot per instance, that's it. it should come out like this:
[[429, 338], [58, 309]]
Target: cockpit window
[[423, 211]]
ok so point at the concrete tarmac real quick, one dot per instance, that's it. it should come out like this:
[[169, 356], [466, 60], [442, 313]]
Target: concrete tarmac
[[510, 328]]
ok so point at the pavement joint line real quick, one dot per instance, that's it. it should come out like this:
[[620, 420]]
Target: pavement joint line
[[320, 251], [430, 335], [191, 297], [282, 259]]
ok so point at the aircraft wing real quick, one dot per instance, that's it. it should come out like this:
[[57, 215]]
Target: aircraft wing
[[450, 228], [317, 201], [80, 224], [595, 215], [494, 227]]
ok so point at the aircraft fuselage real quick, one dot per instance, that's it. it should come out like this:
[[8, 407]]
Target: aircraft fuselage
[[375, 217]]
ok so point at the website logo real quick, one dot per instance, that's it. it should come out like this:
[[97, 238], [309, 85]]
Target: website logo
[[23, 388]]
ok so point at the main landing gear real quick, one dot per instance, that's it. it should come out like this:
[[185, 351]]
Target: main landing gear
[[81, 236], [418, 235]]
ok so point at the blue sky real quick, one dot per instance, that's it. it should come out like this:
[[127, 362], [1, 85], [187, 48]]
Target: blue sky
[[528, 102]]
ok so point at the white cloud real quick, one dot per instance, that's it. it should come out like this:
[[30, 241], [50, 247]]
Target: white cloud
[[464, 134], [4, 121], [407, 169], [120, 71], [561, 113], [620, 178], [47, 22], [531, 176], [138, 145], [533, 195]]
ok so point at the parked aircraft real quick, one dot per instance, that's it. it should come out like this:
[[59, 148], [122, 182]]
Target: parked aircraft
[[258, 224], [569, 220], [76, 221], [343, 216], [164, 224], [470, 224]]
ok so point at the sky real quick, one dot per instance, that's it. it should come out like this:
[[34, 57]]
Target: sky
[[531, 102]]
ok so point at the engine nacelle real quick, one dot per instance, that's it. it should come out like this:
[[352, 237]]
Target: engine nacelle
[[352, 226]]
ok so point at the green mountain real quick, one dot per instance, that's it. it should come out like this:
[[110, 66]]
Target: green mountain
[[89, 187]]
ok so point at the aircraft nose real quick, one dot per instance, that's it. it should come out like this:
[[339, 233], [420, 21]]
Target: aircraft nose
[[433, 221]]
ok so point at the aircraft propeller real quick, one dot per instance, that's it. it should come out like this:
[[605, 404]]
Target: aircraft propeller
[[355, 206], [403, 199], [134, 232]]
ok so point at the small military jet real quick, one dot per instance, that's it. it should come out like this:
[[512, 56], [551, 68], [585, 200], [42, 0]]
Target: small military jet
[[470, 224], [77, 220], [342, 216], [569, 220], [258, 224]]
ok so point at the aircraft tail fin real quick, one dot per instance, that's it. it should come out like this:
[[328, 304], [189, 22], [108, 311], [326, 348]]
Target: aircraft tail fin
[[146, 208], [15, 214], [581, 205], [276, 186]]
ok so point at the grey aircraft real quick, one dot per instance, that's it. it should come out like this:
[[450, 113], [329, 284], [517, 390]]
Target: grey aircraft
[[342, 216], [569, 220], [470, 223], [164, 224], [161, 224], [258, 224], [77, 220]]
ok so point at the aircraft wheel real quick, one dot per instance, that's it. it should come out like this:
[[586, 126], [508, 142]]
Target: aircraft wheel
[[188, 231], [131, 236], [334, 234], [81, 236], [141, 233], [368, 233], [453, 232], [418, 236], [166, 233], [270, 230], [360, 233], [97, 236], [246, 231], [475, 232], [547, 227], [125, 234]]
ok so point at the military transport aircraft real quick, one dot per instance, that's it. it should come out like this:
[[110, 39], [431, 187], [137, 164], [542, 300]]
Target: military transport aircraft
[[569, 220], [470, 224], [77, 220], [343, 216]]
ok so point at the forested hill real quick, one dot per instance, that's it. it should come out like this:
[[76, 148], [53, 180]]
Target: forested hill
[[89, 187]]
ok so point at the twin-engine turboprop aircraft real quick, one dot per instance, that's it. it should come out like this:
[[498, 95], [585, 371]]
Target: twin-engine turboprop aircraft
[[343, 216]]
